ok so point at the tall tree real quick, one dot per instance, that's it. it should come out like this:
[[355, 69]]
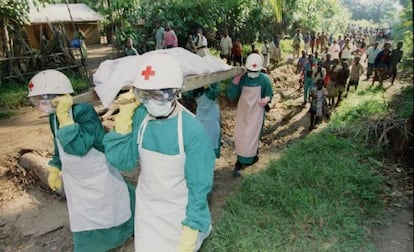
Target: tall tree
[[320, 15], [13, 14], [376, 10]]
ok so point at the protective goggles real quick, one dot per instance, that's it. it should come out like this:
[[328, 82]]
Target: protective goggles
[[36, 100], [163, 95]]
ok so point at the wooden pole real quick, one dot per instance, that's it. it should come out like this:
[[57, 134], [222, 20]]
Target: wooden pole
[[38, 164]]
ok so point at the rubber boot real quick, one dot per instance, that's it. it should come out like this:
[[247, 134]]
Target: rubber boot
[[237, 168]]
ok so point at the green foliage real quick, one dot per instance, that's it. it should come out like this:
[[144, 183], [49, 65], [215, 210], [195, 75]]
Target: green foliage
[[403, 31], [119, 12], [14, 12], [13, 95], [286, 46], [401, 105], [379, 11], [320, 15], [80, 83], [277, 7], [138, 39], [241, 18]]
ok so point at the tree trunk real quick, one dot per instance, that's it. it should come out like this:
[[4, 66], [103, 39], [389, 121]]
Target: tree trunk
[[6, 38]]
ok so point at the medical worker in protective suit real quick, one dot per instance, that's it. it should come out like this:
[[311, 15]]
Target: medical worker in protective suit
[[253, 91], [175, 155], [208, 112], [98, 199]]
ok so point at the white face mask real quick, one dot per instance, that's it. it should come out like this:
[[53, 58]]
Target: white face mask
[[158, 108], [45, 107], [253, 74]]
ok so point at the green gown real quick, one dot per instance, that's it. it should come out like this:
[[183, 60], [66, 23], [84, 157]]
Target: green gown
[[234, 92], [161, 136], [78, 139], [208, 112]]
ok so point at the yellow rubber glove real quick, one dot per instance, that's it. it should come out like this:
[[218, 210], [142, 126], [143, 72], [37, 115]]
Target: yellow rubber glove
[[188, 240], [54, 179], [127, 106], [63, 104]]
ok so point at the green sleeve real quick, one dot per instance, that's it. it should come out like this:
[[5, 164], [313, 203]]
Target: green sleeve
[[212, 91], [234, 91], [266, 87], [87, 131], [199, 172], [121, 150]]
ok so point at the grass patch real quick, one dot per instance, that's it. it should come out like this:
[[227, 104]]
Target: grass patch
[[13, 95], [363, 105], [402, 104], [367, 116], [319, 196]]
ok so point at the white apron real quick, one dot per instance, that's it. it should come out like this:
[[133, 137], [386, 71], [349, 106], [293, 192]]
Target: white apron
[[96, 194], [161, 197], [208, 113], [249, 122]]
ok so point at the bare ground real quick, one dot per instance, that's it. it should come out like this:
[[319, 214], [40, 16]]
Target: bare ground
[[34, 219]]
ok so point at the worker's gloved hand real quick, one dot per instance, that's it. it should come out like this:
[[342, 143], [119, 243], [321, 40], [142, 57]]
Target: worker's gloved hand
[[54, 179], [63, 104], [237, 78], [188, 240], [264, 101], [127, 106]]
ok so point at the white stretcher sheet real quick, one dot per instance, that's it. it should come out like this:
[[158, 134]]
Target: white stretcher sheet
[[112, 75]]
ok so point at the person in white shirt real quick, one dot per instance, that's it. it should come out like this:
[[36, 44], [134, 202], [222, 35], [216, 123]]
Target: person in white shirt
[[371, 53], [200, 42], [266, 55], [334, 50], [225, 46], [347, 51]]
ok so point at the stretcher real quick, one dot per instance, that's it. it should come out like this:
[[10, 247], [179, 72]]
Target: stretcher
[[191, 82]]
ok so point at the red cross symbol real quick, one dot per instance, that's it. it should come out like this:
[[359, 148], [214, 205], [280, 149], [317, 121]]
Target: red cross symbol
[[254, 65], [147, 73], [31, 86]]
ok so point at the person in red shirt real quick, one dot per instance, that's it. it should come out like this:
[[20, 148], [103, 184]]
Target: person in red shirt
[[170, 39], [237, 53]]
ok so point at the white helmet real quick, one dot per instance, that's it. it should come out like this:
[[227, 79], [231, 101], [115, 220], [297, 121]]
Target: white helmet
[[49, 82], [159, 71], [254, 62]]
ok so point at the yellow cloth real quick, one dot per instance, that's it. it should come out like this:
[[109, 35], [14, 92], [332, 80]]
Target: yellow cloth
[[188, 240], [127, 106], [54, 179], [63, 104]]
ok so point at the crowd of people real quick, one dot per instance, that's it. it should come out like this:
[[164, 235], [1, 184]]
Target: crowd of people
[[334, 66]]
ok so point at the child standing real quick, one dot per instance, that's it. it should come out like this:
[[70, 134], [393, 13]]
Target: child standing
[[356, 70], [308, 83], [318, 103]]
